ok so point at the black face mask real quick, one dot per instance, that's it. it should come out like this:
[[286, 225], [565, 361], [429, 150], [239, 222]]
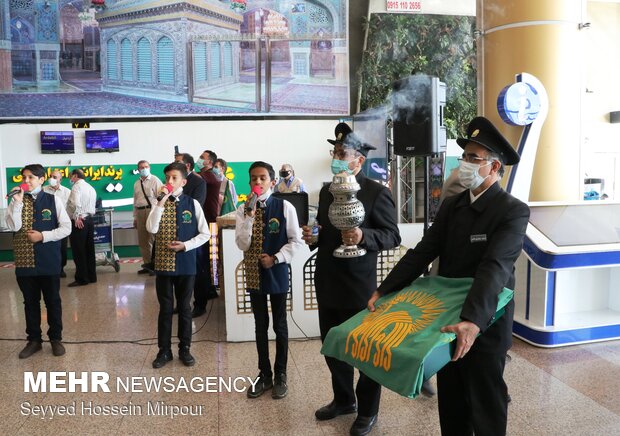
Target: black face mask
[[285, 173]]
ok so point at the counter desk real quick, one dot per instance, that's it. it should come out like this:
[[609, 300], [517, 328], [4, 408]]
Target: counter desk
[[568, 275]]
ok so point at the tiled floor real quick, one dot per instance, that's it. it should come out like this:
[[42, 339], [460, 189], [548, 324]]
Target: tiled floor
[[567, 391]]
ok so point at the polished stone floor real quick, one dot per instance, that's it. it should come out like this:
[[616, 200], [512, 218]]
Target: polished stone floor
[[110, 326]]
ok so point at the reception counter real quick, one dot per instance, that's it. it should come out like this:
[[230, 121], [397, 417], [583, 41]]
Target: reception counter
[[568, 275]]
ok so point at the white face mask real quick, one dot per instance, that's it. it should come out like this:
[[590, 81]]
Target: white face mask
[[145, 172], [469, 176], [52, 182], [264, 195]]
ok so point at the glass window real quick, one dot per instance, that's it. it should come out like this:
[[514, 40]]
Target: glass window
[[126, 58], [112, 60], [144, 61], [200, 62], [216, 70], [165, 61], [228, 59]]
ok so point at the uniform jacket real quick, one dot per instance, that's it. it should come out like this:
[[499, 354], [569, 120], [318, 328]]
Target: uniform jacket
[[348, 283], [195, 188], [482, 241]]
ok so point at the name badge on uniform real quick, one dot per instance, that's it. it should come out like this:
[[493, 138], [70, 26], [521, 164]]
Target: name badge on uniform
[[478, 238]]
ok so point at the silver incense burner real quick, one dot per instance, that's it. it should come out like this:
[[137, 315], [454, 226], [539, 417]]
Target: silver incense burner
[[346, 212]]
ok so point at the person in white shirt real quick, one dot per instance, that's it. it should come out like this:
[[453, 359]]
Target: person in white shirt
[[145, 192], [39, 221], [179, 226], [81, 208], [55, 188]]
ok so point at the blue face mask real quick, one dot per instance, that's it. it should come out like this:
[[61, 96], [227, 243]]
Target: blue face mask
[[216, 171], [145, 172], [339, 166], [36, 190]]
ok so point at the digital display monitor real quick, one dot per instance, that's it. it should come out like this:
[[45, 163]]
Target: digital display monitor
[[101, 141], [57, 142], [371, 127]]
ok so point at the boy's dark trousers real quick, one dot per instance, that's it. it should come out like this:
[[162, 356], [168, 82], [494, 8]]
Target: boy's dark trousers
[[32, 287], [182, 287], [280, 328]]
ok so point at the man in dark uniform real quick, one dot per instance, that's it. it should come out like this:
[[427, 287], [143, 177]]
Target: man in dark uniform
[[204, 289], [478, 234], [343, 286]]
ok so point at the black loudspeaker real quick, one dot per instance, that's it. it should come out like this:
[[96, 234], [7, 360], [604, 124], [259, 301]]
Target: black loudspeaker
[[418, 104]]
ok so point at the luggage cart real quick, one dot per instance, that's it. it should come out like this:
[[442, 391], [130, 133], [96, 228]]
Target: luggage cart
[[104, 239]]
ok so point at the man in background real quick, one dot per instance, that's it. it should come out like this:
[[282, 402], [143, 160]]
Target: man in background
[[204, 290], [195, 187], [55, 188], [81, 209], [288, 182], [145, 191]]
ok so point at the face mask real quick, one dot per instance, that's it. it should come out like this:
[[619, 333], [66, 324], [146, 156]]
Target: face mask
[[36, 190], [52, 182], [200, 164], [72, 182], [339, 166], [216, 171], [469, 176], [145, 172], [264, 195], [285, 174]]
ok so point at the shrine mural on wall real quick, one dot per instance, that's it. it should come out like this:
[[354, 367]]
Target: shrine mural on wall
[[144, 58]]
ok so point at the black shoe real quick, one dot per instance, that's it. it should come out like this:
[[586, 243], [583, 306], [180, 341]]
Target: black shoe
[[212, 295], [63, 274], [262, 384], [30, 348], [144, 271], [363, 425], [509, 398], [57, 348], [76, 283], [333, 409], [428, 390], [162, 358], [198, 311], [280, 389], [148, 265], [186, 357]]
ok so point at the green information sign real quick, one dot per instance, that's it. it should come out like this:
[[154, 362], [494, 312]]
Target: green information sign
[[115, 182]]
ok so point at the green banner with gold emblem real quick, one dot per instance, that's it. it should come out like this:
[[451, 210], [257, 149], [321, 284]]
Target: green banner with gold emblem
[[400, 345]]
